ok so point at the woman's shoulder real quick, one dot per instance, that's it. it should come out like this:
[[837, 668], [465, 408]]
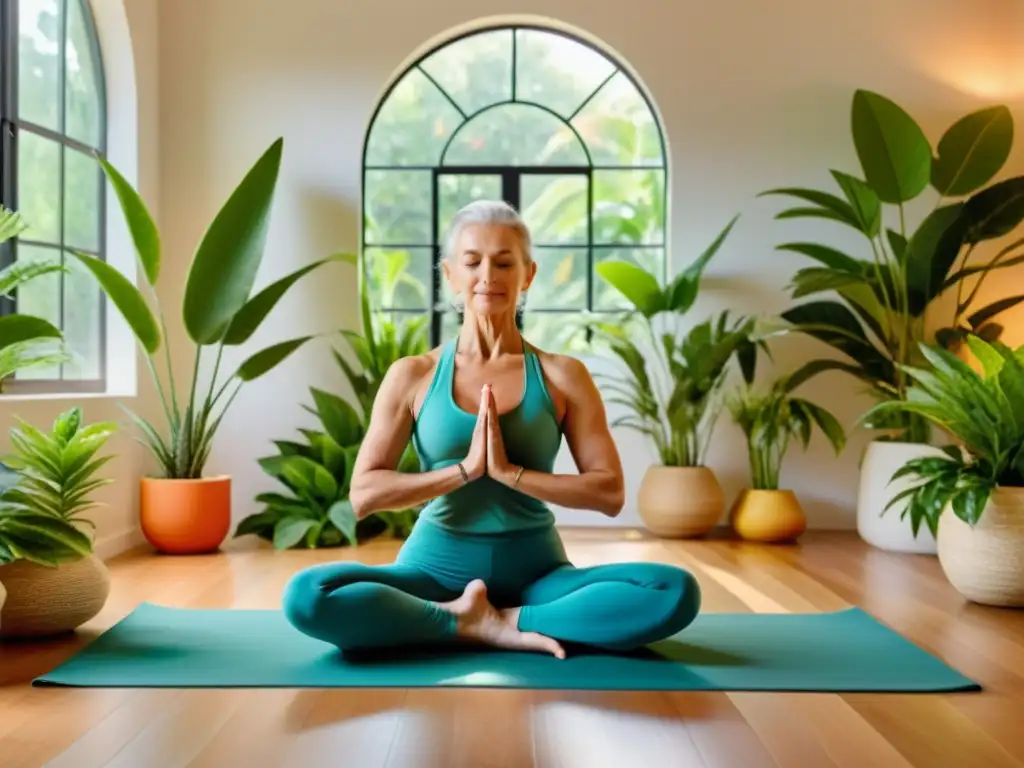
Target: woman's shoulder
[[562, 371], [413, 368]]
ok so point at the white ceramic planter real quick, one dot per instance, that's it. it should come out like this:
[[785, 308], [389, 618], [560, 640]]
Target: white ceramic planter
[[888, 531], [986, 563]]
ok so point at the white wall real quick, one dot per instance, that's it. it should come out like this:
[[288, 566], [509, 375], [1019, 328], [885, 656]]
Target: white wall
[[753, 95], [128, 36]]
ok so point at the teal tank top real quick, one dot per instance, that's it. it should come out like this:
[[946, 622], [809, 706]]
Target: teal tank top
[[441, 437]]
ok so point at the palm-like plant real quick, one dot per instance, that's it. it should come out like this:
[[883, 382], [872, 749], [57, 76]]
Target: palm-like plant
[[771, 421], [47, 487], [670, 382], [219, 310], [878, 322], [25, 341], [983, 411]]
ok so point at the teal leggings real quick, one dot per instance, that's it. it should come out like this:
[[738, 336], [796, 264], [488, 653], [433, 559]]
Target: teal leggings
[[617, 607]]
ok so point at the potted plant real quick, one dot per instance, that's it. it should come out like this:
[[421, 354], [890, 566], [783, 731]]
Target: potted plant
[[183, 509], [313, 510], [671, 385], [770, 421], [877, 321], [972, 496], [54, 580]]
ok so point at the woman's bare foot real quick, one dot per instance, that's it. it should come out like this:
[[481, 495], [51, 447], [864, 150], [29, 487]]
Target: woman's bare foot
[[478, 620]]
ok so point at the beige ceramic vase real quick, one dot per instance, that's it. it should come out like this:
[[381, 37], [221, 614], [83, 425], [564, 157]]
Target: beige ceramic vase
[[43, 601], [986, 563], [680, 502]]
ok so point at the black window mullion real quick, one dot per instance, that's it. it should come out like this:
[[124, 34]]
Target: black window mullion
[[62, 124], [435, 282], [8, 136]]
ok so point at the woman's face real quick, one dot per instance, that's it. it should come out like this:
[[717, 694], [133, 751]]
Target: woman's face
[[488, 268]]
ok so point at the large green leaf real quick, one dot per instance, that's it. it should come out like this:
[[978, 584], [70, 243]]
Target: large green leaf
[[980, 316], [339, 418], [818, 279], [21, 272], [289, 531], [638, 285], [829, 206], [267, 359], [972, 151], [893, 150], [18, 328], [12, 224], [344, 519], [863, 201], [932, 252], [684, 289], [995, 211], [229, 255], [256, 309], [830, 257], [140, 223], [837, 326], [127, 298]]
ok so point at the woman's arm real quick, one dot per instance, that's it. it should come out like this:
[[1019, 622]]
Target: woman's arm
[[376, 485], [599, 484]]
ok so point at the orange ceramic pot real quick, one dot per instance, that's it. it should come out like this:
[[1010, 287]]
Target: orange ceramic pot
[[185, 516]]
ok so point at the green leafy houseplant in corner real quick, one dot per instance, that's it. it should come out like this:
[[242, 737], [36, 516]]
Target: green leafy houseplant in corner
[[183, 510], [54, 580], [882, 293], [313, 509], [26, 341], [972, 495], [670, 383], [770, 422]]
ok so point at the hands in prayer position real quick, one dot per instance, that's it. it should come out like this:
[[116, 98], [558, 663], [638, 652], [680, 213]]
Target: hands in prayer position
[[486, 454]]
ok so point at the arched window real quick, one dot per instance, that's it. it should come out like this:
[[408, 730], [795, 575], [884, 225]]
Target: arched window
[[540, 119], [53, 113]]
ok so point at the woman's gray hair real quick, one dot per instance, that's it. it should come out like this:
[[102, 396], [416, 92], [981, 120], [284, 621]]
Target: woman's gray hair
[[488, 212]]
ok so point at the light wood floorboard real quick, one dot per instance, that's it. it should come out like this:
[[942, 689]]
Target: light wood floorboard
[[477, 728]]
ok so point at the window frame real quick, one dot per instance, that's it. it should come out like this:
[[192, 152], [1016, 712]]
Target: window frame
[[435, 312], [11, 126]]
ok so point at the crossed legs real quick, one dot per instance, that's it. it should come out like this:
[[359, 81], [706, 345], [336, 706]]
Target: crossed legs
[[615, 607]]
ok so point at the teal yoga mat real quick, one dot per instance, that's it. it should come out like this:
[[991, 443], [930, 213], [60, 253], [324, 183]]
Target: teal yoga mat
[[158, 646]]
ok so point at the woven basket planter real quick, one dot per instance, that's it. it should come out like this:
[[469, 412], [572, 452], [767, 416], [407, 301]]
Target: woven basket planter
[[43, 601], [986, 563]]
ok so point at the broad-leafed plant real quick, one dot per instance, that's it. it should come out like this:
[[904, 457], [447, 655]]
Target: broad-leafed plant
[[313, 508], [982, 411], [26, 341], [670, 380], [771, 420], [903, 268], [219, 310]]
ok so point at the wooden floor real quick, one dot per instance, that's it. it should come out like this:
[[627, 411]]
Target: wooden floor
[[449, 728]]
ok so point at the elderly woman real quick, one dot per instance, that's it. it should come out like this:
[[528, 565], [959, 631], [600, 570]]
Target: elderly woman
[[486, 413]]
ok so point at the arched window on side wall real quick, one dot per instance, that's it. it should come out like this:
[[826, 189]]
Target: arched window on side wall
[[540, 119], [53, 113]]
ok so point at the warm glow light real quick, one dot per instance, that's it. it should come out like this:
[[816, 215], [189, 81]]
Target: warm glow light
[[975, 66]]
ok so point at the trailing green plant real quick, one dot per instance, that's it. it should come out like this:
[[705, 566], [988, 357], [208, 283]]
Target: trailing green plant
[[983, 411], [219, 309], [46, 486], [771, 420], [671, 381], [26, 341], [878, 320], [317, 472]]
